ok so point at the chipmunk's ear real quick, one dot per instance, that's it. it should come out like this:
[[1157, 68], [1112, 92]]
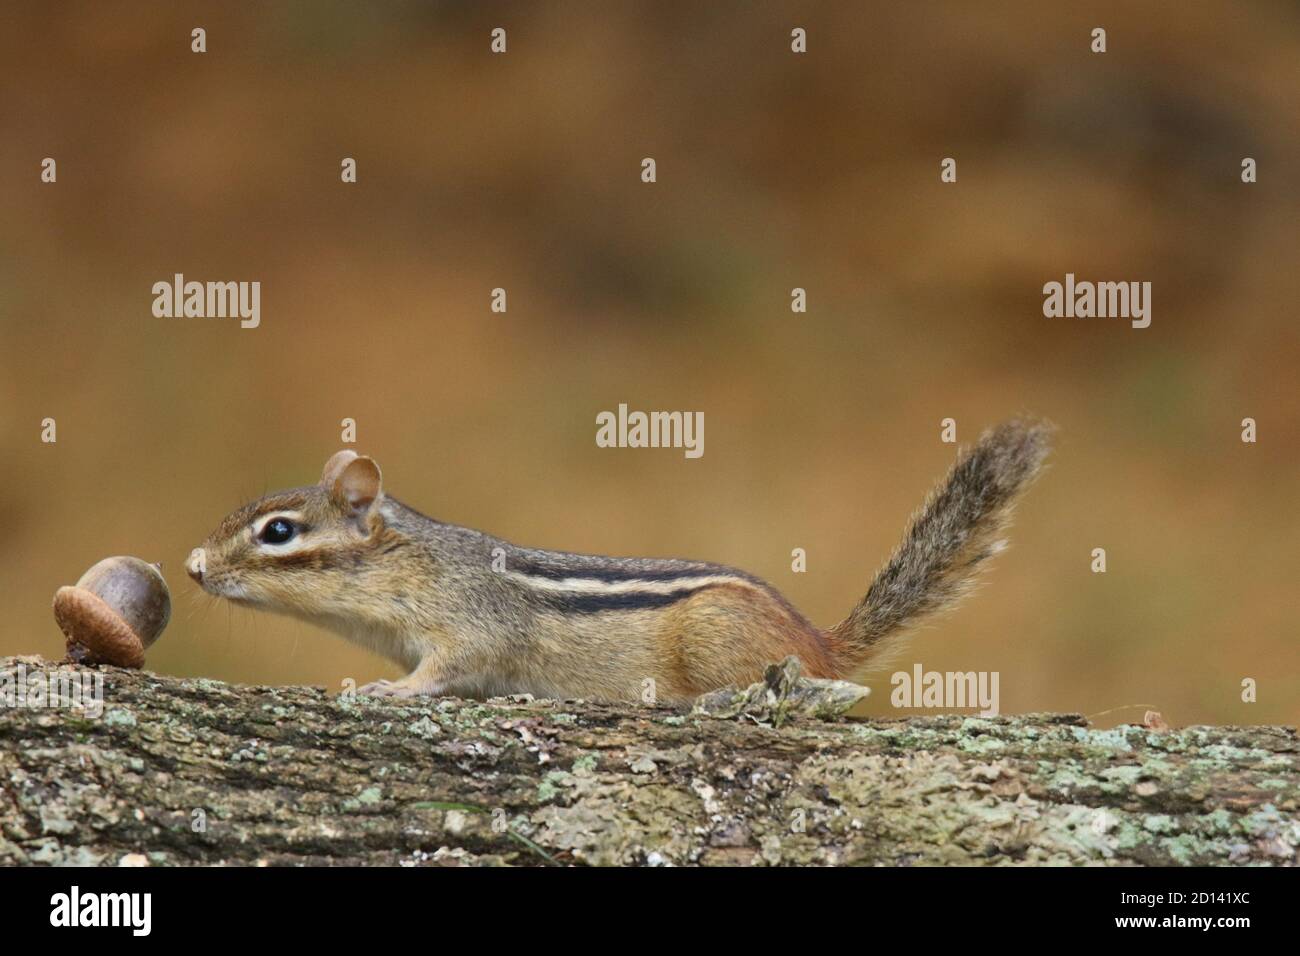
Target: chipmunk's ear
[[334, 467], [358, 485]]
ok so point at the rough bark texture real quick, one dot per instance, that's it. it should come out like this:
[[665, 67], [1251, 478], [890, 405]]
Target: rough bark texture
[[285, 775]]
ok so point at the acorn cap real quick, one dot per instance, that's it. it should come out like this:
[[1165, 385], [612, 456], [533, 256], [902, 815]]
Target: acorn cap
[[96, 633]]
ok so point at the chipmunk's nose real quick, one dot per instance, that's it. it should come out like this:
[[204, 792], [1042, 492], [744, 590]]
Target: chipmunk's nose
[[196, 564]]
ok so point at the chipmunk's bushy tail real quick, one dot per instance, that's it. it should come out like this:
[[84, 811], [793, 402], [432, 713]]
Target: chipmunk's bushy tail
[[961, 524]]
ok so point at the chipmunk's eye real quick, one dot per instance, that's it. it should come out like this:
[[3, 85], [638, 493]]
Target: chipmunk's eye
[[277, 531]]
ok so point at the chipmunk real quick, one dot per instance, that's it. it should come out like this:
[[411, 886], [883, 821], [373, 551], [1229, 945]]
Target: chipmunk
[[472, 615]]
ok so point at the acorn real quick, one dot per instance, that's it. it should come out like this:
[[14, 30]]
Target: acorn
[[118, 608]]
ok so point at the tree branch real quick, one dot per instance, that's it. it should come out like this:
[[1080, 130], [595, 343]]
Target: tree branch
[[181, 771]]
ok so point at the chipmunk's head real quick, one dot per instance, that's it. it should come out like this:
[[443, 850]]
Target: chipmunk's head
[[292, 550]]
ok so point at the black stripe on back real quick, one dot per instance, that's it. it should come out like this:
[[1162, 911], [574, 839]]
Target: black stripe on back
[[552, 573], [576, 603]]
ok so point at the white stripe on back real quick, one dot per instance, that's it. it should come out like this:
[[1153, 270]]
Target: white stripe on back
[[631, 586]]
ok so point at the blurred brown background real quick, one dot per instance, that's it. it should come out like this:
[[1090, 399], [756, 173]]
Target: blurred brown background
[[775, 170]]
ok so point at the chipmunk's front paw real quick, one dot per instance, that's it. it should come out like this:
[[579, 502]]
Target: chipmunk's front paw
[[395, 688], [386, 688]]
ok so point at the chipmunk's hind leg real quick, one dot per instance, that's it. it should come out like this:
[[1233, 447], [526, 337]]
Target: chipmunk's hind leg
[[729, 633]]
